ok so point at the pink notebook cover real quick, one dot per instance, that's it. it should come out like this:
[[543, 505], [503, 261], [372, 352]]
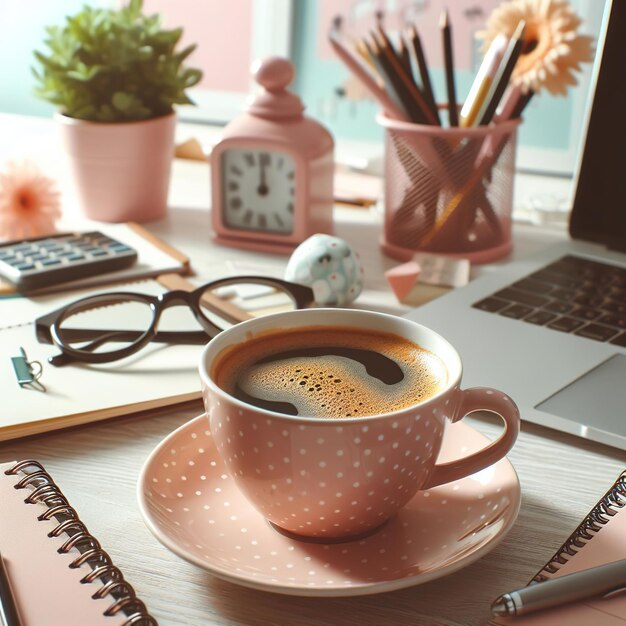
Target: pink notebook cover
[[46, 590], [601, 538]]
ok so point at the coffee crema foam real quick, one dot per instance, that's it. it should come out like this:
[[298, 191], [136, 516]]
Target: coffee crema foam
[[330, 372]]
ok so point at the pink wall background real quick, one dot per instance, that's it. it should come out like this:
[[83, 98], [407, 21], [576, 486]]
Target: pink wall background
[[223, 34]]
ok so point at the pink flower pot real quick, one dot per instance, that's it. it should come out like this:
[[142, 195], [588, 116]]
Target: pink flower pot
[[121, 171]]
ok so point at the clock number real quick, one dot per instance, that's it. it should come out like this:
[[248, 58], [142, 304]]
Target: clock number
[[258, 192], [264, 162]]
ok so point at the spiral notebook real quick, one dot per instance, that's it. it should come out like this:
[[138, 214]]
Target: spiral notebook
[[58, 572], [600, 538]]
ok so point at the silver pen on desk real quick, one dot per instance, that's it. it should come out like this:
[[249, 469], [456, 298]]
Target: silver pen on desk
[[8, 610], [604, 580]]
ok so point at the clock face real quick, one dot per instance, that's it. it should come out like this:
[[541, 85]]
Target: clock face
[[258, 190]]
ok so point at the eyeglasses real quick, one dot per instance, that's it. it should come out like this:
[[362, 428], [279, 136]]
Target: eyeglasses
[[111, 326]]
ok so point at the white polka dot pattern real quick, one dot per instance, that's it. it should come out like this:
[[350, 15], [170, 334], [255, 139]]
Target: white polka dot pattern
[[376, 465], [192, 504]]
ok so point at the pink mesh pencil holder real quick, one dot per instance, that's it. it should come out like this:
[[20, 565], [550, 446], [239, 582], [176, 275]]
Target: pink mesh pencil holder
[[448, 190]]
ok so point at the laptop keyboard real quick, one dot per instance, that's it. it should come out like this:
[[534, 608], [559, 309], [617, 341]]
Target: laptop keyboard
[[571, 295]]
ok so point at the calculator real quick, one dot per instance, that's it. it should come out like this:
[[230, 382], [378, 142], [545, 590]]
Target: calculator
[[45, 261]]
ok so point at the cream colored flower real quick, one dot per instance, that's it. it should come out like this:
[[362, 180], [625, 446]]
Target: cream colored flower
[[553, 50], [29, 202]]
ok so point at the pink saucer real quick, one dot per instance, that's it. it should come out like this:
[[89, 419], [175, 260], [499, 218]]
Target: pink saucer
[[193, 507]]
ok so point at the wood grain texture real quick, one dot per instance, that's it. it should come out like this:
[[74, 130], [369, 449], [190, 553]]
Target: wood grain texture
[[97, 467]]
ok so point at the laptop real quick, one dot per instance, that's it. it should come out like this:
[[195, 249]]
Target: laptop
[[550, 330]]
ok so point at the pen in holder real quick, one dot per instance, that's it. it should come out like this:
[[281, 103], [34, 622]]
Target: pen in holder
[[448, 190]]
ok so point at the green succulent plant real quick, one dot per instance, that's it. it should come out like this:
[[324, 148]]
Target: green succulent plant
[[112, 65]]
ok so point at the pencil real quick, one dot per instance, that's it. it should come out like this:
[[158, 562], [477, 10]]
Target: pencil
[[446, 35], [511, 55], [522, 103], [418, 107], [361, 48], [484, 81], [420, 59], [390, 86], [392, 66], [360, 70], [393, 82], [405, 58]]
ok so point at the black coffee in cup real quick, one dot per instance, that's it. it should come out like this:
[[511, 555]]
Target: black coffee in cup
[[330, 372]]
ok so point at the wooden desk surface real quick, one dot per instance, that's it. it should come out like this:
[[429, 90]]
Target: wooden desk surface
[[97, 467]]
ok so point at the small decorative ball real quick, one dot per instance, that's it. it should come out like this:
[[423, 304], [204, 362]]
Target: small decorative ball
[[330, 267]]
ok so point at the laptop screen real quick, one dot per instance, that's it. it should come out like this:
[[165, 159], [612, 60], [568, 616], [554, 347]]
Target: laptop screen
[[599, 211]]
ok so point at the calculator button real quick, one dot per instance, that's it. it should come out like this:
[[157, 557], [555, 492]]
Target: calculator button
[[24, 247], [99, 253], [75, 257], [51, 261], [118, 249], [24, 266]]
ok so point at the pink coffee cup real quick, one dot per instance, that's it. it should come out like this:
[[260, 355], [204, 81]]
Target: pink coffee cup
[[339, 478]]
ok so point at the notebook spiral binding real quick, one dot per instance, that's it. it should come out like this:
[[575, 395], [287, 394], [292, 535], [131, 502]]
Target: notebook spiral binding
[[612, 501], [44, 489]]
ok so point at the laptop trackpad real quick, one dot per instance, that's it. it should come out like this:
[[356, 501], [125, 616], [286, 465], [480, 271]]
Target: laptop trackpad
[[595, 399]]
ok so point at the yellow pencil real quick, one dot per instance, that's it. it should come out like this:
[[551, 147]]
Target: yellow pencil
[[482, 82], [361, 48]]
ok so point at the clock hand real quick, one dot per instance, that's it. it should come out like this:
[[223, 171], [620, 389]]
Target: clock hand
[[263, 189]]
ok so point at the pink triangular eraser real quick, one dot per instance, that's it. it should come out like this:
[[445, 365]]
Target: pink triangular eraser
[[402, 278]]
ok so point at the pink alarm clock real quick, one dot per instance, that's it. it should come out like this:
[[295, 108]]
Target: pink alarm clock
[[272, 170]]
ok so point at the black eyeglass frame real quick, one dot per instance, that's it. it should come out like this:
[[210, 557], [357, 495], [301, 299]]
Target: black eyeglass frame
[[48, 331]]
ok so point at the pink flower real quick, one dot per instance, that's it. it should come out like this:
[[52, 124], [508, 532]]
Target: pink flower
[[29, 202]]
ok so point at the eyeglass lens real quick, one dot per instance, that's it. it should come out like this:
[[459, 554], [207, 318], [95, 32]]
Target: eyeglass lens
[[105, 324], [232, 303]]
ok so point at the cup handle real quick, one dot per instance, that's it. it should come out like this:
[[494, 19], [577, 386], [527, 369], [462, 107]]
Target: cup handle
[[480, 399]]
